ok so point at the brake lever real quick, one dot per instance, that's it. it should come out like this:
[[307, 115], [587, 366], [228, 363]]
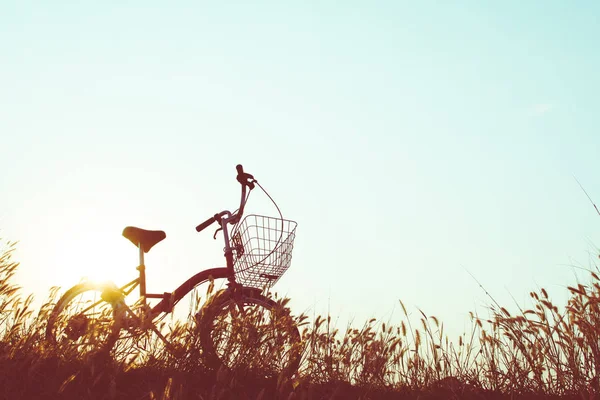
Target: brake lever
[[245, 178], [217, 231]]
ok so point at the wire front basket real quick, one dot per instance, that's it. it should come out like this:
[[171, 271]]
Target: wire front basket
[[262, 250]]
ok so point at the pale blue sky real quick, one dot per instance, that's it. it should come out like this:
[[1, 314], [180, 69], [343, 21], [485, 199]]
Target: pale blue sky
[[410, 140]]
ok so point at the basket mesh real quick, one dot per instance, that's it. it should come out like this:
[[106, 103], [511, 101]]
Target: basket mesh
[[262, 250]]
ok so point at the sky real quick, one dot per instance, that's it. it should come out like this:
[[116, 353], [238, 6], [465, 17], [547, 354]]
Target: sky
[[415, 143]]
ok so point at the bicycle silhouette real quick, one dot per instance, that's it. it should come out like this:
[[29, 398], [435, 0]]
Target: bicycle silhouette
[[237, 325]]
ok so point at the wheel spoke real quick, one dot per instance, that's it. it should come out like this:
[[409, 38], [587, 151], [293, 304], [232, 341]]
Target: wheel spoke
[[252, 333], [81, 322]]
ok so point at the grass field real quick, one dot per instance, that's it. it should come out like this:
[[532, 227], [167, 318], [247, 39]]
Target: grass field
[[543, 352]]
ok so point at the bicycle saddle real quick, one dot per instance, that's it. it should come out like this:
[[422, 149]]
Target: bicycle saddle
[[142, 237]]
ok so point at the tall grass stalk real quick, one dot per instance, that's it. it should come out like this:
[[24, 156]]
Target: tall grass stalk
[[543, 349]]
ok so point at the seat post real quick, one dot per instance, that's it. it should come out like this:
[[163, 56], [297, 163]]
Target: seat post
[[142, 269]]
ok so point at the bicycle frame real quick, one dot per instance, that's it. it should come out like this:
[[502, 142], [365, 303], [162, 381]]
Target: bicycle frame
[[170, 299]]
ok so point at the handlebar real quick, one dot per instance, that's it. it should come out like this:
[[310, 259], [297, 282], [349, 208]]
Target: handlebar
[[246, 180], [206, 224]]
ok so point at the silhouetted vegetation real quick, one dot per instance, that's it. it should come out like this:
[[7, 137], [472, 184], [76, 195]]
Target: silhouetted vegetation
[[543, 352]]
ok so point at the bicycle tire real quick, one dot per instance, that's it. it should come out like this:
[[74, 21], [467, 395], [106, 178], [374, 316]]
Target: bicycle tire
[[244, 347], [83, 322]]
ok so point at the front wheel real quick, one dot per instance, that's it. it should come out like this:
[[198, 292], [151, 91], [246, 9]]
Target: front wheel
[[84, 321], [243, 330]]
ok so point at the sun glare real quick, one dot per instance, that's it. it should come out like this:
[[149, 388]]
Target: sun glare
[[96, 256], [84, 245]]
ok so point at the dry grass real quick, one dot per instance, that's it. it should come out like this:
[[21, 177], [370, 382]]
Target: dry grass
[[543, 351]]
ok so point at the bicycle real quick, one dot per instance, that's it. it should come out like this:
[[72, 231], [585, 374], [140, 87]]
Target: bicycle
[[89, 317]]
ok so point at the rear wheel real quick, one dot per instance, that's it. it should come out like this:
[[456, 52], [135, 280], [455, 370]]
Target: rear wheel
[[83, 320], [246, 331]]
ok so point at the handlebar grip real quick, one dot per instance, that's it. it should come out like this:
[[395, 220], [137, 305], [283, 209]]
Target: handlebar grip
[[205, 224]]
